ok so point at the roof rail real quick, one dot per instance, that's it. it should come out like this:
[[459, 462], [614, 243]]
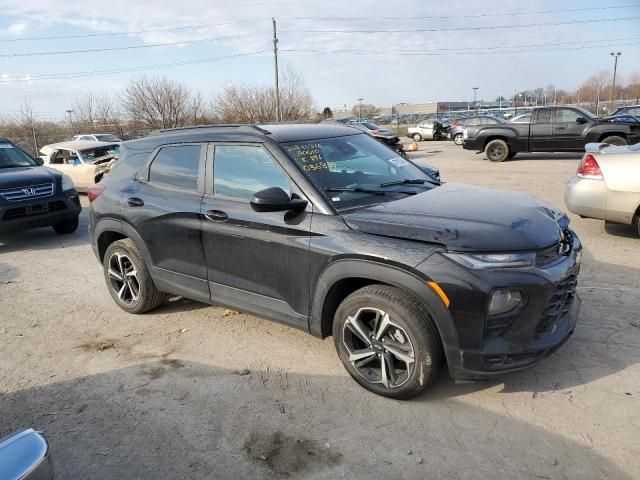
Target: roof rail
[[197, 127]]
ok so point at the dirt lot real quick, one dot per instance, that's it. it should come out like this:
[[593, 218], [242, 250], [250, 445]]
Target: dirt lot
[[192, 391]]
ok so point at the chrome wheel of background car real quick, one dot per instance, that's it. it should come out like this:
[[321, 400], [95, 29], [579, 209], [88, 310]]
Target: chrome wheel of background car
[[458, 139], [379, 349], [123, 278], [416, 137]]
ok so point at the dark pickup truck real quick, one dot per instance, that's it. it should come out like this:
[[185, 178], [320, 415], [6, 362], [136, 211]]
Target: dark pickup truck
[[552, 129]]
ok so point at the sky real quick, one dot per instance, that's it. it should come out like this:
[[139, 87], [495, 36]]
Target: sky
[[383, 52]]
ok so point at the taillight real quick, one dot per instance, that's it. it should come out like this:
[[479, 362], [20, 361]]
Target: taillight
[[589, 168], [455, 123], [94, 191]]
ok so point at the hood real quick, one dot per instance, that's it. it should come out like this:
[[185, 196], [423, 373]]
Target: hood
[[23, 176], [465, 218]]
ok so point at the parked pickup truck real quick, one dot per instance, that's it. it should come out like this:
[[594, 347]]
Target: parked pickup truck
[[551, 129]]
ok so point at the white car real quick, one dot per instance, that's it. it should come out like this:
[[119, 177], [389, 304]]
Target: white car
[[86, 162], [424, 131], [96, 137]]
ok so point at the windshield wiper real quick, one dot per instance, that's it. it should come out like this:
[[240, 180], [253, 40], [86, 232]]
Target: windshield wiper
[[407, 181], [354, 190]]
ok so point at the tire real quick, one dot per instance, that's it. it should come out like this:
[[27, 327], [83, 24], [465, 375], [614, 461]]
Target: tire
[[416, 137], [408, 328], [140, 294], [497, 150], [66, 227], [458, 139], [636, 224], [615, 140]]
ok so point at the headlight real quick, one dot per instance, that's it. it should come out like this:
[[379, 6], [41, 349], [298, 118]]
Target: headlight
[[480, 261], [67, 182], [504, 300]]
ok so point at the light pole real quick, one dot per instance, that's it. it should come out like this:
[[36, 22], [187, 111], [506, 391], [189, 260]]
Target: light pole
[[360, 109], [69, 112], [615, 55], [475, 97]]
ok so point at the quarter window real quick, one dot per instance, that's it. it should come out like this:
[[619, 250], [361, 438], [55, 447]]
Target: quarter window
[[239, 171], [176, 167]]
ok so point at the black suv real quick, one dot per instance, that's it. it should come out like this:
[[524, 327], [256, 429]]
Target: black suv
[[328, 230], [34, 196]]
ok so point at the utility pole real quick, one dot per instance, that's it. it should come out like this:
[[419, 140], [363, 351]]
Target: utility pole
[[33, 132], [475, 97], [69, 112], [275, 56], [360, 109], [613, 86]]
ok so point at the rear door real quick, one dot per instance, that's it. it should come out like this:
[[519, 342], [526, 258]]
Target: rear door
[[257, 261], [541, 131], [163, 204], [567, 132]]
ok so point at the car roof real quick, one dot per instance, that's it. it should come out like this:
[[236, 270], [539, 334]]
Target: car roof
[[75, 145]]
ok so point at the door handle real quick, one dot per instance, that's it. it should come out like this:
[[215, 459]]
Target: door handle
[[135, 202], [560, 128], [216, 215]]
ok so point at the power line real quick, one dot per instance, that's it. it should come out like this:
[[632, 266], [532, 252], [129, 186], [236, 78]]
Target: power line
[[436, 54], [130, 47], [480, 15], [485, 27], [135, 32], [56, 76]]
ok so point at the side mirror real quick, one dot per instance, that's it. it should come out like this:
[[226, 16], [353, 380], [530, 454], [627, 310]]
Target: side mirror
[[581, 120], [39, 160], [25, 456], [275, 199]]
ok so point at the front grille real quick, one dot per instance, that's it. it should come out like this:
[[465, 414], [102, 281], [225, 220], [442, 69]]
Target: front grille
[[559, 305], [556, 252], [34, 210], [28, 192]]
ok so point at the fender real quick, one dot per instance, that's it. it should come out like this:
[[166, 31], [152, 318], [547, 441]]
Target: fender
[[113, 225], [409, 281]]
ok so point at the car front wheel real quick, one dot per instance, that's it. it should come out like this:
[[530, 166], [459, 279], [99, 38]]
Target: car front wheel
[[387, 341], [67, 226], [458, 139], [416, 137], [615, 140], [128, 278]]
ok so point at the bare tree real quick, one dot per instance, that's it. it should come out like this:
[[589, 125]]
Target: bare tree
[[251, 103], [633, 87], [158, 102], [365, 110]]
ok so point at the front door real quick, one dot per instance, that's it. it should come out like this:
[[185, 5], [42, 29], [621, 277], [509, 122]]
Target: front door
[[257, 261], [163, 203], [567, 131]]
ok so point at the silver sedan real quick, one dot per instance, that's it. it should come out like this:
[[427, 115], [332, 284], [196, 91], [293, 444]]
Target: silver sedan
[[607, 184]]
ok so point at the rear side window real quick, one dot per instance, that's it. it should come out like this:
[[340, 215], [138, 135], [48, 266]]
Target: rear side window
[[176, 167], [543, 116], [239, 171]]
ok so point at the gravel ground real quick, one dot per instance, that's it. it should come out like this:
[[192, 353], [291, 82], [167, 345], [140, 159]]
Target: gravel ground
[[195, 391]]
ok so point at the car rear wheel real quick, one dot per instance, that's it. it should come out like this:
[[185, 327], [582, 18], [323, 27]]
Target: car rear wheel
[[497, 150], [66, 227], [458, 139], [416, 137], [387, 341], [615, 140], [128, 278]]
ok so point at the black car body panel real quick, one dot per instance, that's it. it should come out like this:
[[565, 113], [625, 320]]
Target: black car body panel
[[296, 267], [545, 134], [32, 196]]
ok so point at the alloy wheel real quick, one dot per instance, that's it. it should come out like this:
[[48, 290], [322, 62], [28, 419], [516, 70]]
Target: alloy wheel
[[379, 349], [123, 278]]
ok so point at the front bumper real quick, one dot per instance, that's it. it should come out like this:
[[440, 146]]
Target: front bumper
[[43, 212], [539, 326]]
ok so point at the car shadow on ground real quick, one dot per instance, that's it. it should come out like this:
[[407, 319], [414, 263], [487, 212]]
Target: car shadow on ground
[[606, 340], [170, 419], [618, 230], [545, 156], [46, 238]]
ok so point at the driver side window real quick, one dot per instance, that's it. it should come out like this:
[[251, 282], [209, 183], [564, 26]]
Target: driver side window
[[565, 115], [239, 171]]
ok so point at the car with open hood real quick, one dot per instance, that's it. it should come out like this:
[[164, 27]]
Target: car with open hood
[[323, 228], [85, 161]]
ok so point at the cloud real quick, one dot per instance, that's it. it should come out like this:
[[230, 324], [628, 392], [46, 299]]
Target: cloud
[[17, 28]]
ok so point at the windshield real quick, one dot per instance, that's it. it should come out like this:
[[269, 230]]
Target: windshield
[[107, 138], [12, 156], [357, 170], [91, 155]]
